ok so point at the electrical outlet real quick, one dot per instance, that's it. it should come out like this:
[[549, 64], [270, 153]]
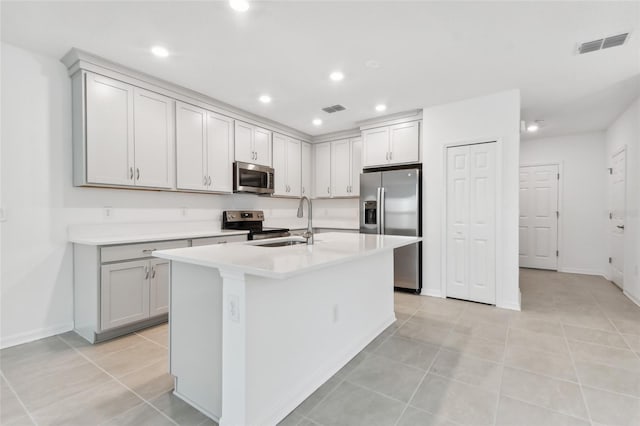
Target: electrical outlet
[[108, 212], [234, 307], [336, 313]]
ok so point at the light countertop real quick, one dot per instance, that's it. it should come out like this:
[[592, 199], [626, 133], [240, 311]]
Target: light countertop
[[283, 262]]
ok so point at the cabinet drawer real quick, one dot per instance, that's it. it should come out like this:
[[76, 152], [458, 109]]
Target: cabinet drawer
[[137, 251], [217, 240]]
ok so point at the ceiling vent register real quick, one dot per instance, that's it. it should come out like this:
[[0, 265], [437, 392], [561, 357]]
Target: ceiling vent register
[[603, 43], [334, 108]]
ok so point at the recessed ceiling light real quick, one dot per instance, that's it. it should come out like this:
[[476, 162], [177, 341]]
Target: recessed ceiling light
[[533, 127], [336, 76], [265, 99], [160, 51], [317, 122], [381, 107], [239, 5]]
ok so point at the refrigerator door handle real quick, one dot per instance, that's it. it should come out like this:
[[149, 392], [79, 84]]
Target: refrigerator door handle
[[381, 208], [378, 210]]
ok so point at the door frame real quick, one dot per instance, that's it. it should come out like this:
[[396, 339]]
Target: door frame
[[499, 247], [559, 240], [609, 270]]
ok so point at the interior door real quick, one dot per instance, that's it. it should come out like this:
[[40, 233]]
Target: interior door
[[191, 131], [616, 223], [153, 139], [539, 216], [470, 216], [219, 152]]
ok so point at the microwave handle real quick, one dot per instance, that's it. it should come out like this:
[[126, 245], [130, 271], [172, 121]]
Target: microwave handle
[[269, 180]]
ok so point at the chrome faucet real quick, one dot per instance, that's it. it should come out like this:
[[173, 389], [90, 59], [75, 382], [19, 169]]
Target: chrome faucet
[[308, 235]]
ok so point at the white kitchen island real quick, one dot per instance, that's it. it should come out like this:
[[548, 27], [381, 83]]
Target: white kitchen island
[[254, 330]]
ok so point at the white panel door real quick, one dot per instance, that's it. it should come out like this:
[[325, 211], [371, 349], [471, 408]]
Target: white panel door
[[262, 146], [616, 223], [159, 287], [482, 227], [124, 291], [471, 230], [294, 167], [539, 217], [153, 139], [340, 168], [109, 112], [457, 222], [404, 143], [322, 168], [375, 147], [244, 142], [191, 130], [280, 184], [356, 166], [306, 169], [219, 149]]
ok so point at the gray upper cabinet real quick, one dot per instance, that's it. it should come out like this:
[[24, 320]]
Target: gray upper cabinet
[[390, 145], [252, 144]]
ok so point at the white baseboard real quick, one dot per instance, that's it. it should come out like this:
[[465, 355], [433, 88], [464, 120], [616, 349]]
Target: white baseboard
[[30, 336], [431, 292], [514, 306], [631, 297], [582, 271]]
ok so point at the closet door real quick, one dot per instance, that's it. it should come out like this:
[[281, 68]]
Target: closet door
[[471, 229]]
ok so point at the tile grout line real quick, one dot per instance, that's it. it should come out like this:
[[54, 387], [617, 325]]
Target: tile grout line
[[151, 340], [575, 370], [624, 339], [144, 400], [15, 394], [506, 343]]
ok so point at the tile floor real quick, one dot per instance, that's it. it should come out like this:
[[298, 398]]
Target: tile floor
[[571, 357]]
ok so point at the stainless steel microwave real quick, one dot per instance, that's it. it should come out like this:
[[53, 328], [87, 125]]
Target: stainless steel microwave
[[252, 178]]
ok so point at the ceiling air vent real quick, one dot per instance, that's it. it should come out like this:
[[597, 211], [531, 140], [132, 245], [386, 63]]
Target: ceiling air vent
[[603, 43], [334, 108]]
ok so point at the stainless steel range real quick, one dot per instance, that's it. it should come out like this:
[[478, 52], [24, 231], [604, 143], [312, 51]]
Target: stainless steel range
[[251, 220]]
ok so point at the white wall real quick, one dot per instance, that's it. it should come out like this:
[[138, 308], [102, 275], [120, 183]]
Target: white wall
[[583, 205], [625, 132], [488, 118], [40, 201]]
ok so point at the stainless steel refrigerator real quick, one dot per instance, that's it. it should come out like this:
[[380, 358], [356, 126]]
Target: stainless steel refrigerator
[[390, 204]]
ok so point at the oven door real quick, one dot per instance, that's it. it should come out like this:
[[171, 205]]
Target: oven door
[[252, 178]]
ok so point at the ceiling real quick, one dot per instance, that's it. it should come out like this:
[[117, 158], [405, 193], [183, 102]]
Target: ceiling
[[429, 53]]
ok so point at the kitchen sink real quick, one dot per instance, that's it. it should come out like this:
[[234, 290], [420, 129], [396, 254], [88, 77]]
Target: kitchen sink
[[281, 243]]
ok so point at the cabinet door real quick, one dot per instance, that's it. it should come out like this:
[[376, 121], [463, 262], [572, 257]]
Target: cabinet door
[[219, 152], [109, 132], [322, 161], [262, 146], [356, 166], [305, 171], [375, 146], [190, 146], [281, 185], [293, 167], [244, 142], [340, 168], [124, 293], [405, 143], [159, 279], [153, 139]]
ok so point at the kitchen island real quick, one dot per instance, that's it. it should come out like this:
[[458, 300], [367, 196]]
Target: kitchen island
[[255, 328]]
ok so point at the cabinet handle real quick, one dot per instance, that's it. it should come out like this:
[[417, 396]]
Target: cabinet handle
[[328, 190], [148, 251], [209, 180], [204, 180], [256, 155], [146, 272], [221, 242], [153, 272], [390, 155], [303, 189], [131, 173], [137, 173]]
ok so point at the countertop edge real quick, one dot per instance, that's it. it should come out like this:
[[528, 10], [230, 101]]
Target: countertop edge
[[110, 241]]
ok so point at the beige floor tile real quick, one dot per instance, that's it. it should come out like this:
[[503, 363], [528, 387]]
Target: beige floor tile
[[459, 402], [159, 334], [591, 318], [590, 335], [24, 362], [537, 325], [315, 398], [408, 351], [387, 377], [482, 329], [539, 341], [352, 364], [517, 413], [11, 410], [150, 381], [132, 359], [612, 409], [100, 350], [626, 326], [467, 369], [425, 331], [555, 365], [142, 415], [475, 346], [609, 378], [554, 394], [93, 406], [293, 419], [633, 341], [414, 417], [178, 410], [386, 333], [607, 355]]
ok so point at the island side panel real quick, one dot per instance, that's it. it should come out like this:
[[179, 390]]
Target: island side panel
[[195, 321], [300, 331]]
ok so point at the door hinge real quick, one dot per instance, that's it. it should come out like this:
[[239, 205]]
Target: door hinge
[[558, 176], [609, 260], [557, 214], [610, 170], [557, 253], [610, 215]]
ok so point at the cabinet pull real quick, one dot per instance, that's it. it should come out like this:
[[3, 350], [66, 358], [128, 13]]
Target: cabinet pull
[[303, 189], [137, 173], [153, 272], [256, 155], [209, 180], [131, 173], [146, 272], [204, 180], [148, 251], [328, 190], [221, 242], [390, 155]]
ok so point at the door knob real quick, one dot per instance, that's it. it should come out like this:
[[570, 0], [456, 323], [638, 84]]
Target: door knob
[[620, 226]]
